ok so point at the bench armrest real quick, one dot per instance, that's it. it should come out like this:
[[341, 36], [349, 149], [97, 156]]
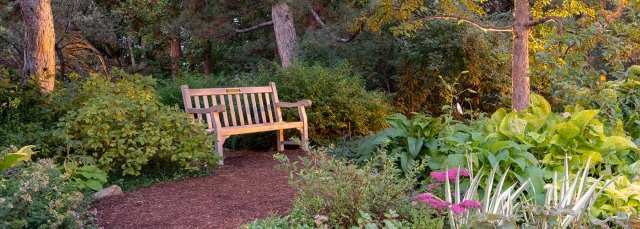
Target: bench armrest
[[305, 102], [216, 108]]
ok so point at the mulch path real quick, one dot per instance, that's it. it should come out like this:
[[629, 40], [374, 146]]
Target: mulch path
[[246, 188]]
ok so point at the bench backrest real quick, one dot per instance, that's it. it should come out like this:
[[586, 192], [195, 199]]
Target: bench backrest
[[245, 105]]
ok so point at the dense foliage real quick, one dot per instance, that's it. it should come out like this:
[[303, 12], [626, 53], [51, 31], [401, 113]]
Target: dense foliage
[[38, 195], [341, 192], [341, 105], [124, 126]]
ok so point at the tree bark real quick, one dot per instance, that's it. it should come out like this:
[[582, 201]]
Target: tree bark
[[131, 55], [39, 43], [520, 64], [63, 63], [176, 54], [206, 56], [285, 32]]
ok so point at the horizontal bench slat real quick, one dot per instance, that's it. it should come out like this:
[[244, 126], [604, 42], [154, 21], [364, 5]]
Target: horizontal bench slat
[[233, 130], [226, 91]]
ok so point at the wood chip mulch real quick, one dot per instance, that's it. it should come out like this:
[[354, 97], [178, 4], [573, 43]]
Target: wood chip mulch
[[246, 188]]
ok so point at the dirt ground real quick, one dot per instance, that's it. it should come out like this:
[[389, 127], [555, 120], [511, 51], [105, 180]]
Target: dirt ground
[[246, 188]]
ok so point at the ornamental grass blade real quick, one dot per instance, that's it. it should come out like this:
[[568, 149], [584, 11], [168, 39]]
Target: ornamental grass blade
[[473, 187], [447, 196], [583, 181], [498, 192], [487, 192], [571, 192], [580, 204]]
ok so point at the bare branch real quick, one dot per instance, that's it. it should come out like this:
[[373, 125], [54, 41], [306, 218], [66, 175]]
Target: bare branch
[[12, 44], [476, 23], [252, 28], [336, 38], [547, 19]]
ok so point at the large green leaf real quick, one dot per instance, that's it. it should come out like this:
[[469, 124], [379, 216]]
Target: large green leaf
[[540, 106], [615, 143], [567, 130], [414, 145], [582, 118], [512, 126]]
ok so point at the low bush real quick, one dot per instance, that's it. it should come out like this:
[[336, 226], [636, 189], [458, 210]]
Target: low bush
[[124, 126], [169, 91], [341, 105], [38, 195], [339, 191]]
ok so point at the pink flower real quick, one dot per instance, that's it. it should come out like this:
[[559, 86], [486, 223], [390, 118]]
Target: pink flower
[[432, 201], [452, 173], [458, 209], [470, 204], [434, 185]]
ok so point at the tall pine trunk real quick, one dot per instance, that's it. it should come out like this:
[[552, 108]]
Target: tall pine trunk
[[39, 43], [176, 54], [285, 32], [207, 61], [520, 64]]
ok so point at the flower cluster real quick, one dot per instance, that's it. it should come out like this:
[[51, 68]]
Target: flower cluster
[[451, 174], [461, 208], [432, 201]]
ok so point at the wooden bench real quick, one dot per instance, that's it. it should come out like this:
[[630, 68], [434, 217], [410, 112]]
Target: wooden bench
[[232, 111]]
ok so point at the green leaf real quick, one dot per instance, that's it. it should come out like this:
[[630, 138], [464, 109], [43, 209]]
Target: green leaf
[[93, 184], [567, 130], [512, 126], [494, 147], [583, 118], [539, 105], [414, 145], [405, 159], [615, 143]]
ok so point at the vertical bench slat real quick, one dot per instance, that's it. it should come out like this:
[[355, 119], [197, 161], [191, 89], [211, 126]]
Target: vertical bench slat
[[239, 106], [233, 110], [247, 109], [208, 115], [264, 117], [197, 105], [214, 101], [276, 110], [268, 98], [255, 108], [224, 114]]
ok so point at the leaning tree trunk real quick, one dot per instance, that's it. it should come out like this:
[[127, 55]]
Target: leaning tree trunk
[[285, 32], [520, 81], [39, 43], [175, 53], [206, 56]]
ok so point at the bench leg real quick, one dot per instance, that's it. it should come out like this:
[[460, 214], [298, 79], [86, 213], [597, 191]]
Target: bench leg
[[219, 148], [280, 139], [305, 138]]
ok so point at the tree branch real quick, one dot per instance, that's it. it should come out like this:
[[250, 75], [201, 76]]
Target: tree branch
[[12, 44], [476, 23], [335, 38], [252, 28], [547, 19]]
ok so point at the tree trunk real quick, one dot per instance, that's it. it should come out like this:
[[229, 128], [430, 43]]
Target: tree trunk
[[175, 53], [285, 32], [520, 81], [131, 55], [62, 61], [39, 43], [206, 56]]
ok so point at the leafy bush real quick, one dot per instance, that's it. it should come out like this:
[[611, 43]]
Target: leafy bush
[[37, 195], [618, 102], [341, 104], [124, 126], [340, 191], [170, 94]]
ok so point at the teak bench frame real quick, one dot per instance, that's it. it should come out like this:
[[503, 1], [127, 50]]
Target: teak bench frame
[[208, 105]]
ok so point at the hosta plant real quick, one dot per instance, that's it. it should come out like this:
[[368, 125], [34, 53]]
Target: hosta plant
[[12, 156]]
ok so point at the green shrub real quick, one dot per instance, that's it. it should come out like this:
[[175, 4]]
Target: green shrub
[[171, 95], [341, 104], [341, 191], [37, 195], [124, 126]]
